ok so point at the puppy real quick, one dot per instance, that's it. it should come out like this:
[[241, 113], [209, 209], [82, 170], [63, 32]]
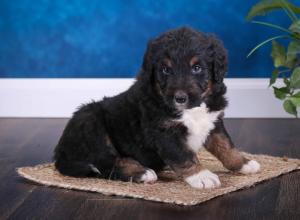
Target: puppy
[[174, 108]]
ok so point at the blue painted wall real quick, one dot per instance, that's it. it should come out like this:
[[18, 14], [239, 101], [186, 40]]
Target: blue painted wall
[[94, 38]]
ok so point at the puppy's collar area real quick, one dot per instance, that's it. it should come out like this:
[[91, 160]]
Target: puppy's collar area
[[199, 122]]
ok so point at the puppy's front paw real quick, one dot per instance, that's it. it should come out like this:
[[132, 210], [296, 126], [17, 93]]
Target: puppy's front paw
[[149, 176], [251, 166], [203, 180]]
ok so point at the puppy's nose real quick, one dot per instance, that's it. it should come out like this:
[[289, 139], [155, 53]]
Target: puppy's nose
[[181, 97]]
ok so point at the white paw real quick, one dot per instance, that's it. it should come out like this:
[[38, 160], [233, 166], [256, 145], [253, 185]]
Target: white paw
[[203, 180], [251, 166], [149, 176]]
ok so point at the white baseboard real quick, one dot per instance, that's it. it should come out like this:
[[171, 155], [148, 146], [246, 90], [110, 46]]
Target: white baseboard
[[250, 98]]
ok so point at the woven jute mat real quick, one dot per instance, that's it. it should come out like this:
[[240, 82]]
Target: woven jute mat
[[168, 188]]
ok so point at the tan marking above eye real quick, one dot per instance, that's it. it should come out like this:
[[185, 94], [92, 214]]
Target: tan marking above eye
[[194, 60]]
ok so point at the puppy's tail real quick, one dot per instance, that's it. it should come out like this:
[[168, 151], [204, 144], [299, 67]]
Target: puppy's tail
[[77, 168]]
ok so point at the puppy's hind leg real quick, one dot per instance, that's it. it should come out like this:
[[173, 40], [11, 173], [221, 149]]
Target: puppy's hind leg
[[77, 168], [93, 159], [128, 169], [108, 164]]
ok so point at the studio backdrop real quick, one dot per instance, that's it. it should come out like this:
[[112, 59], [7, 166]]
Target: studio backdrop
[[53, 39]]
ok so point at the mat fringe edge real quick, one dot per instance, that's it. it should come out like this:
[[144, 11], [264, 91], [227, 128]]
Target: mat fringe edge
[[178, 202]]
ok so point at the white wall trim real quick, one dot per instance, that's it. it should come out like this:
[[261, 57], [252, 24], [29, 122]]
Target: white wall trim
[[249, 98]]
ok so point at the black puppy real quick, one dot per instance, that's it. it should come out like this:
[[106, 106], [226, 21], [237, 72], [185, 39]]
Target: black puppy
[[173, 109]]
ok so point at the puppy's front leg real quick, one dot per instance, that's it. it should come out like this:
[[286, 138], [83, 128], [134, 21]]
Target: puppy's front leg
[[221, 146], [186, 164]]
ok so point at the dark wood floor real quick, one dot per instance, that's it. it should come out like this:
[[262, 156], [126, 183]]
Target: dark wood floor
[[25, 142]]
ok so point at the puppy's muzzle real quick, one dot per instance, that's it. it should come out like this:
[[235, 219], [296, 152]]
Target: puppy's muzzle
[[180, 97]]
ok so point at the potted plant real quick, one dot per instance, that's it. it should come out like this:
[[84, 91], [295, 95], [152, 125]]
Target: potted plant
[[286, 59]]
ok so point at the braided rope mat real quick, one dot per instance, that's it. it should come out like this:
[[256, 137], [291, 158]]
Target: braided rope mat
[[168, 188]]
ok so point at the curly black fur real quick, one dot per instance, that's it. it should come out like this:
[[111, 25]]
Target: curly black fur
[[134, 124]]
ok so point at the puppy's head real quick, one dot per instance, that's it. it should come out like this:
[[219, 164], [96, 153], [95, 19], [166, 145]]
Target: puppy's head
[[183, 66]]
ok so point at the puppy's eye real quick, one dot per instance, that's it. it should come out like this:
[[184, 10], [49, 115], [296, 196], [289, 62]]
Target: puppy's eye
[[166, 70], [196, 69]]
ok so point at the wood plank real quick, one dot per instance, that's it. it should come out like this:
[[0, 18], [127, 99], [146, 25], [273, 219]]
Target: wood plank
[[26, 142], [34, 149], [13, 137], [288, 200], [276, 137]]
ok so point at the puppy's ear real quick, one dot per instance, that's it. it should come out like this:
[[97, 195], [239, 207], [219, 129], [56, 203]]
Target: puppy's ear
[[147, 61], [147, 66], [219, 59]]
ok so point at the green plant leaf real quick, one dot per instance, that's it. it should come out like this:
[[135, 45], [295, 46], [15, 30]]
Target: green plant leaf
[[281, 93], [296, 36], [293, 50], [287, 82], [289, 107], [296, 95], [264, 42], [295, 101], [272, 26], [278, 54], [295, 78], [274, 77], [265, 6], [288, 10], [295, 27]]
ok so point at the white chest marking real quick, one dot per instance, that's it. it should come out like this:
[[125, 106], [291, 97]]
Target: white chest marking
[[199, 123]]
